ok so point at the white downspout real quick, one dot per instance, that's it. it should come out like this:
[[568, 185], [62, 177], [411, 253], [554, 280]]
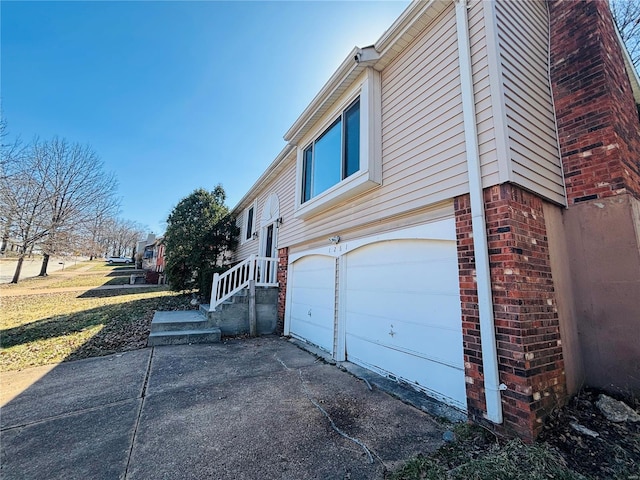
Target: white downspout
[[478, 223]]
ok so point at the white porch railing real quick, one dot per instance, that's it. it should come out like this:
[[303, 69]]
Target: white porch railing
[[263, 270]]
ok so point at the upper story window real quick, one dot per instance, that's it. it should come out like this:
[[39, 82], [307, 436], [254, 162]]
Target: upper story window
[[249, 223], [342, 156], [334, 155]]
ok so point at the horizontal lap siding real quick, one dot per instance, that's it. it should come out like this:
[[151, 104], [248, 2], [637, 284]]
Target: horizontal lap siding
[[482, 93], [523, 41], [282, 185], [422, 143], [285, 187], [423, 149], [422, 125], [249, 247]]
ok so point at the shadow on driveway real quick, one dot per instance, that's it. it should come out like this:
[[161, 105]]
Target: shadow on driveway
[[245, 409]]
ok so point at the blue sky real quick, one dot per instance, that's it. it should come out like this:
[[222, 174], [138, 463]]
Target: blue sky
[[175, 95]]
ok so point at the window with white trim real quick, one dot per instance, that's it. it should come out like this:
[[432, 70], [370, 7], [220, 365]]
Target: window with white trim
[[342, 156], [334, 155], [249, 223]]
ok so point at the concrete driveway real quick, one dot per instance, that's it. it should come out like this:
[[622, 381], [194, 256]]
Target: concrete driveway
[[245, 409]]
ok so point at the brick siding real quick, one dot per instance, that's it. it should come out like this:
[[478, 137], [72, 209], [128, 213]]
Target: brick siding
[[597, 117], [526, 321], [283, 263]]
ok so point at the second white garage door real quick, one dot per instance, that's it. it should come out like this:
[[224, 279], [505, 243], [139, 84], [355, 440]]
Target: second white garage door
[[402, 314]]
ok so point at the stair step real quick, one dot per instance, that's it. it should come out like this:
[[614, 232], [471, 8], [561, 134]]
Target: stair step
[[184, 337], [179, 325], [178, 320]]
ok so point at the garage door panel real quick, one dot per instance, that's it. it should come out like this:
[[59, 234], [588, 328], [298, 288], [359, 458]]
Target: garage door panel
[[403, 251], [437, 380], [317, 296], [423, 276], [428, 308], [312, 301], [317, 333], [403, 314], [428, 341]]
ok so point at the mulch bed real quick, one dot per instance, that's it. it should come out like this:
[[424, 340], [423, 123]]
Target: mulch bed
[[613, 453]]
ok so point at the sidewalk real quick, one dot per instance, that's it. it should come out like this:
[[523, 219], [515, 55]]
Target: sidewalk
[[16, 292]]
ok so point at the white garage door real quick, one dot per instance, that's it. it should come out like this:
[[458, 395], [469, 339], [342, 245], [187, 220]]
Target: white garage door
[[312, 300], [403, 315]]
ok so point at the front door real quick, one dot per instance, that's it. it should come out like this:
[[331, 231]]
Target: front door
[[268, 243], [269, 233]]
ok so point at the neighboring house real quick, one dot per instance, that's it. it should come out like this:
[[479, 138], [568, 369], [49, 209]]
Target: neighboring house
[[152, 253], [459, 208]]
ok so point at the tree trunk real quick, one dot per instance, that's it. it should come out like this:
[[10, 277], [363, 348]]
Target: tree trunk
[[45, 264], [16, 275]]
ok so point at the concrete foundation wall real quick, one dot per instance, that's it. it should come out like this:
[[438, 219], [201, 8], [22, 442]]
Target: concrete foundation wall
[[233, 318], [604, 254], [563, 286]]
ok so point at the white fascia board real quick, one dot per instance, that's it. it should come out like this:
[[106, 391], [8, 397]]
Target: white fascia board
[[360, 58], [271, 172], [337, 79], [402, 24], [407, 27]]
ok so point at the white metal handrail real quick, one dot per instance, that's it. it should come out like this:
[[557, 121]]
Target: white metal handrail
[[263, 270]]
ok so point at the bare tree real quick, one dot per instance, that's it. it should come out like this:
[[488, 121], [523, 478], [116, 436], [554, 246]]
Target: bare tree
[[75, 184], [104, 212], [626, 15], [50, 191], [24, 196], [10, 151], [120, 237]]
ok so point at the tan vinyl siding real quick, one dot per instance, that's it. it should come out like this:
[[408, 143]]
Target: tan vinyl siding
[[482, 92], [523, 45], [423, 150], [248, 247], [423, 146], [282, 185]]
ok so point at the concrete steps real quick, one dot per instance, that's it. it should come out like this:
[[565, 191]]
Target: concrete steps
[[232, 316], [182, 327]]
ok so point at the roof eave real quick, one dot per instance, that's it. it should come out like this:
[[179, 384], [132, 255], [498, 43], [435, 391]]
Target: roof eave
[[344, 71], [392, 42], [271, 172]]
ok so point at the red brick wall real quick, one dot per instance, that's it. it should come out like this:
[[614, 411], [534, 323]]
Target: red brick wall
[[283, 262], [526, 320], [598, 124]]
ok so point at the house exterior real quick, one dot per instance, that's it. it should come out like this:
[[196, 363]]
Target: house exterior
[[151, 253], [459, 208]]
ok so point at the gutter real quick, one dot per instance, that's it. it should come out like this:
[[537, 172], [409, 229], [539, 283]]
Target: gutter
[[492, 386], [336, 80], [271, 171]]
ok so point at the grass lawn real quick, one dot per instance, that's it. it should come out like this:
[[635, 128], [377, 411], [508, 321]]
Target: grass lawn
[[51, 327]]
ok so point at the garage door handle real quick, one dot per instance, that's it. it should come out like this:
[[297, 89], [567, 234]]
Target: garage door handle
[[309, 312]]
